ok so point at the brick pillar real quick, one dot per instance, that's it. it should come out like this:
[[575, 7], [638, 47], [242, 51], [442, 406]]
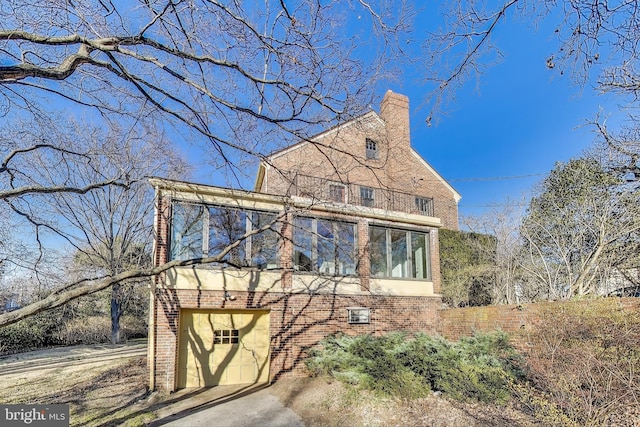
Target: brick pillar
[[364, 266], [394, 110], [161, 229], [435, 261]]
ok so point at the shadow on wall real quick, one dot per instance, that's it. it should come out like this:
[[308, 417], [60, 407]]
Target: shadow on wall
[[295, 322]]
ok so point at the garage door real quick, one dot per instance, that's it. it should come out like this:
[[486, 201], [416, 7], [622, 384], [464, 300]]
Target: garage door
[[219, 347]]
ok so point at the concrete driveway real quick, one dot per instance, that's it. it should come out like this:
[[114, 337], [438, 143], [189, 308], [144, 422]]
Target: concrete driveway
[[222, 406]]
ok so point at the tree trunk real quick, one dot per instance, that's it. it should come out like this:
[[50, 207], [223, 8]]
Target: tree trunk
[[577, 288], [116, 312]]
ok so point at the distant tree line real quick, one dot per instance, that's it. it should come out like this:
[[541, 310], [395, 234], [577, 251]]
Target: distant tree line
[[579, 236]]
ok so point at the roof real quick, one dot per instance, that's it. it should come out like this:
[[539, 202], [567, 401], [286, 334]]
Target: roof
[[370, 115]]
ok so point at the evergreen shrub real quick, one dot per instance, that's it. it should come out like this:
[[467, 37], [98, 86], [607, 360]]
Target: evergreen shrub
[[478, 368]]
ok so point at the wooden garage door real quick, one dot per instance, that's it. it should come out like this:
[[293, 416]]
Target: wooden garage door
[[219, 347]]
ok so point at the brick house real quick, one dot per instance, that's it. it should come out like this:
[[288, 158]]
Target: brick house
[[340, 234]]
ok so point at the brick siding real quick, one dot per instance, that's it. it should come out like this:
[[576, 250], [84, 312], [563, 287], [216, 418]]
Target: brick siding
[[297, 322], [517, 320], [340, 156]]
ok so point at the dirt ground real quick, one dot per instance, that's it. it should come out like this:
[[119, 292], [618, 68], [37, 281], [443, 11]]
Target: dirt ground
[[108, 386], [320, 402]]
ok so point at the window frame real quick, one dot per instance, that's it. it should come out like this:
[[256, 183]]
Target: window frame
[[371, 149], [313, 236], [359, 319], [343, 194], [427, 202], [182, 248], [226, 336], [410, 265], [248, 255], [365, 191]]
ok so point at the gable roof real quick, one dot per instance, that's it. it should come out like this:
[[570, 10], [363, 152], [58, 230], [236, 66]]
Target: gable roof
[[263, 165], [457, 196], [371, 115]]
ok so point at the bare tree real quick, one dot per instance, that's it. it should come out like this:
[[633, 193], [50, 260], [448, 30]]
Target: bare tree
[[224, 76], [572, 238], [593, 36], [578, 227], [503, 224], [111, 228], [40, 159], [49, 162], [225, 73]]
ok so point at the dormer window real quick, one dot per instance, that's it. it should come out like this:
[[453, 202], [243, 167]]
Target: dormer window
[[372, 148]]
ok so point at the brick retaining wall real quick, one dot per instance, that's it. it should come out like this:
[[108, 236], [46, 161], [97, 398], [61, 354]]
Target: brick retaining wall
[[517, 320]]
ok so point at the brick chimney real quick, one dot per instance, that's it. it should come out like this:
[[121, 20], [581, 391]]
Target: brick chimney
[[394, 110]]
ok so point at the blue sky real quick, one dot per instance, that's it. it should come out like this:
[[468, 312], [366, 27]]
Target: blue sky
[[519, 121]]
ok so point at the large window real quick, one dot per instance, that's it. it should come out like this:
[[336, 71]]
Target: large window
[[324, 246], [227, 226], [186, 231], [199, 230], [399, 253]]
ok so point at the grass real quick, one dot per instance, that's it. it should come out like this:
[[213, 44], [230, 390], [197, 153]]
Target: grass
[[98, 394]]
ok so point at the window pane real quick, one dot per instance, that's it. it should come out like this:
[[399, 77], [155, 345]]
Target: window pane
[[359, 315], [346, 249], [303, 244], [227, 225], [420, 256], [399, 261], [186, 231], [366, 196], [378, 251], [326, 247], [371, 149], [424, 206], [264, 245]]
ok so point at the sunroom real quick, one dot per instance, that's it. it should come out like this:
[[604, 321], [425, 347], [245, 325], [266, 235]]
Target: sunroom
[[276, 243]]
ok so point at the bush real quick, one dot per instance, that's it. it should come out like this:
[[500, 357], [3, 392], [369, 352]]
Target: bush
[[478, 368], [134, 326], [585, 358], [86, 330], [56, 327], [97, 329], [34, 332]]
